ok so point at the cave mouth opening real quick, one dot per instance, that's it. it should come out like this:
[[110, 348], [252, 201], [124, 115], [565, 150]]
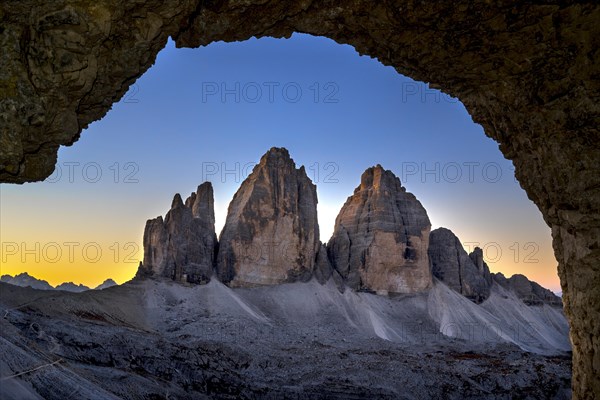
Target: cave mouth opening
[[524, 72], [210, 113]]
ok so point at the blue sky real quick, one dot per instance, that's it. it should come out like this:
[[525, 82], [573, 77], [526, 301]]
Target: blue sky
[[209, 113]]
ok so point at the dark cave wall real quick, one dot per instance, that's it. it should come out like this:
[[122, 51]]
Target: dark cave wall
[[529, 74]]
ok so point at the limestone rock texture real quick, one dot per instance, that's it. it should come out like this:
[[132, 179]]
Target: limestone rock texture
[[323, 269], [271, 234], [451, 264], [470, 276], [381, 236], [530, 292], [526, 71], [477, 257], [183, 247]]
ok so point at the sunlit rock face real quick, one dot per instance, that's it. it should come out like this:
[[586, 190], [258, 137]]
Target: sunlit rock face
[[451, 264], [271, 234], [527, 73], [381, 237], [183, 246]]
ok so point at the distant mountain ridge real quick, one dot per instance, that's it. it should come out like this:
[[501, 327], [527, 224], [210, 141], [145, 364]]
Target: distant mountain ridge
[[469, 275], [26, 280]]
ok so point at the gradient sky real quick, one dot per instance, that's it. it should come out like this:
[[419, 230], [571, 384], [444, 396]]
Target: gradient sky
[[210, 113]]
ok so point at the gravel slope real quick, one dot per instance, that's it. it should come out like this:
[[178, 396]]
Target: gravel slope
[[155, 339]]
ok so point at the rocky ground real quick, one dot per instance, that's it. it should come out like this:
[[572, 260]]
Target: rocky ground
[[160, 340]]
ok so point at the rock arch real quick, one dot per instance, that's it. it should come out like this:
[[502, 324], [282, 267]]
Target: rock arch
[[527, 73]]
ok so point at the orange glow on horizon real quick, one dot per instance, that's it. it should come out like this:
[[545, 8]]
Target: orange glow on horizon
[[89, 263], [32, 238], [120, 264]]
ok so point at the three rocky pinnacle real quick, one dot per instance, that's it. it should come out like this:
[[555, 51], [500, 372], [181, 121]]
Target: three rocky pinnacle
[[381, 241]]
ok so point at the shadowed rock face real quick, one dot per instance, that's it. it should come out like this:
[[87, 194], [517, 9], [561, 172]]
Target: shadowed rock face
[[381, 236], [325, 271], [451, 264], [530, 292], [323, 268], [183, 247], [271, 234], [477, 257], [471, 277], [526, 72]]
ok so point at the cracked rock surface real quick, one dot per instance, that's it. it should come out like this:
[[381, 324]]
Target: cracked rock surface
[[381, 237], [271, 234], [183, 247]]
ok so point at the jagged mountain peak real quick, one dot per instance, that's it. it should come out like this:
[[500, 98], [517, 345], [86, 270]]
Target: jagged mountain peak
[[271, 234], [381, 237], [381, 241]]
